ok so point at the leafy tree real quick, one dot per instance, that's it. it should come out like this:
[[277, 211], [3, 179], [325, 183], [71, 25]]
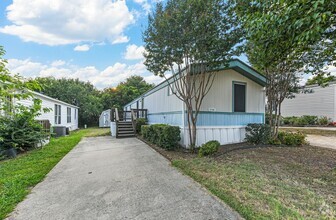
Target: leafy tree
[[321, 80], [18, 127], [125, 92], [194, 38], [76, 92], [10, 84], [284, 38]]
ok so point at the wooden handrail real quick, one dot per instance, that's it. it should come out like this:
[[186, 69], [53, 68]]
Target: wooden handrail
[[117, 114], [134, 118]]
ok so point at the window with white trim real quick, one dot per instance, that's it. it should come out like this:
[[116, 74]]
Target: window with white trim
[[68, 115], [239, 97], [57, 114]]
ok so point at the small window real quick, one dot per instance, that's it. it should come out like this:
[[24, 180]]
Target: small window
[[57, 114], [68, 115], [75, 114], [239, 97], [171, 89]]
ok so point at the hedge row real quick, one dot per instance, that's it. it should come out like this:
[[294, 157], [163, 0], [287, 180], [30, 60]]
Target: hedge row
[[163, 135], [305, 120]]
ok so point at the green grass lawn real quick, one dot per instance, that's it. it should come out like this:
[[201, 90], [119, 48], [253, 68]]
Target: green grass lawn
[[19, 175], [267, 182]]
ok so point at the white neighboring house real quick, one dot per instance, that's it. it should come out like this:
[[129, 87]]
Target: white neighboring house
[[60, 114], [321, 102], [105, 119], [236, 99]]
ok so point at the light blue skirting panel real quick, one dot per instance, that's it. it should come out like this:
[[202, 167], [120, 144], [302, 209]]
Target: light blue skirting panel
[[228, 118], [171, 118], [207, 118]]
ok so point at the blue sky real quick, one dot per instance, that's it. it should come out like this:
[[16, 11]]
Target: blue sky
[[99, 41]]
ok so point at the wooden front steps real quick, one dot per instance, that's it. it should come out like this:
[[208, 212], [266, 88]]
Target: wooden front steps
[[125, 129]]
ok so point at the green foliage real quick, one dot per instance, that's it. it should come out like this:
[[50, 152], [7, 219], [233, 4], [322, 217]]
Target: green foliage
[[20, 130], [163, 135], [305, 120], [323, 120], [208, 148], [197, 37], [18, 127], [173, 34], [145, 131], [76, 92], [321, 80], [140, 122], [125, 92], [292, 138], [10, 84], [284, 31], [258, 133], [286, 38]]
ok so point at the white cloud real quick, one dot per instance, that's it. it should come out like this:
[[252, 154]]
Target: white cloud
[[57, 63], [61, 22], [110, 76], [145, 5], [82, 48], [133, 52]]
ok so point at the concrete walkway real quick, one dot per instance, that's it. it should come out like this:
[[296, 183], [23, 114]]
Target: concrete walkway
[[314, 128], [107, 178], [322, 141]]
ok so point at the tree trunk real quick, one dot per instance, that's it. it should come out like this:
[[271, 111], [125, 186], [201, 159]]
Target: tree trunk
[[193, 133]]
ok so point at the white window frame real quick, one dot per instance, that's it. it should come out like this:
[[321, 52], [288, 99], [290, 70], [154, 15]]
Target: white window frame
[[58, 112], [68, 115]]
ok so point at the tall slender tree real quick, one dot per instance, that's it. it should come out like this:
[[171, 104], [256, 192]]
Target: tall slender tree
[[191, 38], [285, 39]]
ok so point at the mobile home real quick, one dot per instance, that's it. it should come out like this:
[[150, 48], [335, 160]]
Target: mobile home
[[236, 99], [60, 114], [321, 101]]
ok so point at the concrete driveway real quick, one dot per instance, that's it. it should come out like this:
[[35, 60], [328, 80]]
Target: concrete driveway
[[107, 178], [322, 141]]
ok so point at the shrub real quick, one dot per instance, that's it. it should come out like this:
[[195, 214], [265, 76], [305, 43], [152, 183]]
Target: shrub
[[291, 138], [208, 148], [274, 141], [21, 130], [140, 122], [303, 120], [257, 133], [289, 120], [323, 120], [163, 135], [145, 131]]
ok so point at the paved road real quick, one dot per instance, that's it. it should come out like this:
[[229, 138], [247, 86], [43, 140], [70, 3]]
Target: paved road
[[107, 178], [322, 141]]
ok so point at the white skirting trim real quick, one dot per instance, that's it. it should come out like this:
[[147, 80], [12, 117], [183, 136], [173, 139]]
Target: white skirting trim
[[224, 135]]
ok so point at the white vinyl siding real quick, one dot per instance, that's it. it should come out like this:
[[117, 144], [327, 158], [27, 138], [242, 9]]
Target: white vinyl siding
[[321, 102], [50, 115]]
